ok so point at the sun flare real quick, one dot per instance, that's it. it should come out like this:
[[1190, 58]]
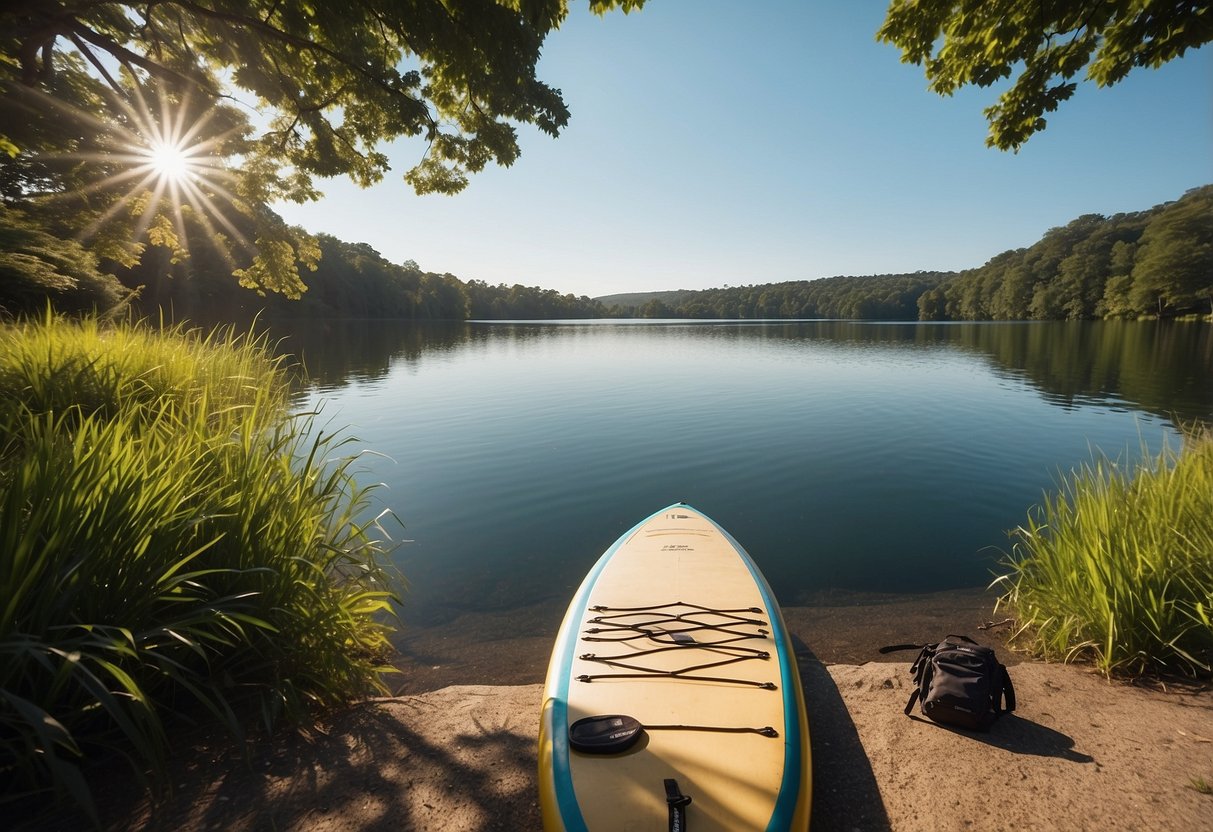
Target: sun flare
[[168, 165], [170, 161]]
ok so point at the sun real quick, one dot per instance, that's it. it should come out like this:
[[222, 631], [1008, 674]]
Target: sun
[[171, 162], [167, 167]]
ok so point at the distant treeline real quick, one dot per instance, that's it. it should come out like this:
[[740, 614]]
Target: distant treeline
[[1156, 263], [1152, 263], [891, 297]]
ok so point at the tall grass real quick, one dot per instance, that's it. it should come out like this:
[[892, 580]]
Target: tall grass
[[174, 547], [1117, 567]]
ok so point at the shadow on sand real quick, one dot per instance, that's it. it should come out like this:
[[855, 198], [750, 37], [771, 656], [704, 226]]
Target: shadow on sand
[[351, 776], [845, 794], [1021, 736]]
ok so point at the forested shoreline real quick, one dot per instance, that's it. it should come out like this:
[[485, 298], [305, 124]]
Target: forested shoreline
[[1152, 263]]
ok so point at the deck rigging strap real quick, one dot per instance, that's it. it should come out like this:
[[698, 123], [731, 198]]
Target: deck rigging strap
[[673, 631], [765, 731], [616, 733]]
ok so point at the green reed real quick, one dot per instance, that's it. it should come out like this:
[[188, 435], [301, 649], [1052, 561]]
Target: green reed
[[175, 549], [1117, 567]]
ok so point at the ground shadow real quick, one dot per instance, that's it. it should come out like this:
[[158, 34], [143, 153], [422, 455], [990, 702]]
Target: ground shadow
[[1022, 736], [845, 794], [353, 768]]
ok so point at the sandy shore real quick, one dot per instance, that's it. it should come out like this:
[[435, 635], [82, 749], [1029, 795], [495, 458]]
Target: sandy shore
[[1080, 753]]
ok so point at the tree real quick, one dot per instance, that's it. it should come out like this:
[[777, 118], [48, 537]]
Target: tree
[[962, 42], [331, 83], [1014, 294], [932, 305], [655, 309], [1116, 301], [35, 266], [1174, 263]]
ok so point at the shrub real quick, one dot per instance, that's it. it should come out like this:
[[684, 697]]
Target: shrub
[[1117, 567], [174, 546]]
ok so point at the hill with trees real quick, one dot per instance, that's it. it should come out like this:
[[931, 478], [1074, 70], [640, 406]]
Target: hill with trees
[[1151, 263], [634, 300], [1154, 263]]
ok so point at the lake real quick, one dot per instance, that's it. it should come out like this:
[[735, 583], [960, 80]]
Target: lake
[[861, 464]]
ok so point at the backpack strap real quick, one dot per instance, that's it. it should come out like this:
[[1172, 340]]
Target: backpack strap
[[893, 648], [1007, 692], [919, 670]]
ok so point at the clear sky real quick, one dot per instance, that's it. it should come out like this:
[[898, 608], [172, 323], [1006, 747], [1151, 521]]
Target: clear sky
[[718, 142]]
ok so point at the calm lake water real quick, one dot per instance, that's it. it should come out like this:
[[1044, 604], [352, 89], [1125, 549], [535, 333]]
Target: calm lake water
[[859, 458]]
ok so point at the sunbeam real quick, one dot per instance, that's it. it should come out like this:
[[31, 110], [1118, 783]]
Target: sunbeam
[[160, 157]]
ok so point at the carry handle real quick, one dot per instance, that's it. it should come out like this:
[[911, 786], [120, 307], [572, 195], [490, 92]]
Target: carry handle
[[893, 648], [677, 802], [962, 638]]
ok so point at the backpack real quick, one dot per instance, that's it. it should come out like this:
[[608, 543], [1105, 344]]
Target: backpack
[[959, 682]]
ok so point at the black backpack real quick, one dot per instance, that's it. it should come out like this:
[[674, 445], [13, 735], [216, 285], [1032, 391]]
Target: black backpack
[[959, 682]]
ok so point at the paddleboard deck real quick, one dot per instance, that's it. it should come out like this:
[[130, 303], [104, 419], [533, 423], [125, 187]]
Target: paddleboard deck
[[676, 627]]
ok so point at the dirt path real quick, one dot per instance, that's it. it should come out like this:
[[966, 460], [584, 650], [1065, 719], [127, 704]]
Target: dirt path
[[1080, 753]]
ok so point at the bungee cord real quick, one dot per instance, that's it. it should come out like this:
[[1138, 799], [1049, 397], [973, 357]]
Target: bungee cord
[[697, 627]]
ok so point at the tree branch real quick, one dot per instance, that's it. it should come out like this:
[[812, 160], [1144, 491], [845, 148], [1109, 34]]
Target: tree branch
[[127, 56], [42, 41], [92, 59], [293, 40]]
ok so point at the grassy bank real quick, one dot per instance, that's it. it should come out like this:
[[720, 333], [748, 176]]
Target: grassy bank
[[175, 549], [1117, 567]]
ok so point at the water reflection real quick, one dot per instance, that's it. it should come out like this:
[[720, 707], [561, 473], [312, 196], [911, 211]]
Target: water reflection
[[1164, 368], [336, 353], [847, 457]]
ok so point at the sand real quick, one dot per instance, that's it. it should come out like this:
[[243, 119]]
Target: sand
[[1080, 753]]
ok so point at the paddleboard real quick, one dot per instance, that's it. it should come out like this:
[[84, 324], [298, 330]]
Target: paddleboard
[[673, 666]]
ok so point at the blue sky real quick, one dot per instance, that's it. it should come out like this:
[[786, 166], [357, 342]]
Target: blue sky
[[716, 142]]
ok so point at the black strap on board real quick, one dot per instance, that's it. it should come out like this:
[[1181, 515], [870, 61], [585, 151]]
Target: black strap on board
[[616, 733], [677, 802]]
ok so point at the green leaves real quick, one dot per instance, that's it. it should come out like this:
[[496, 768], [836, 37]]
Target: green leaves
[[1117, 567], [171, 544], [1154, 263], [338, 81], [35, 266], [1174, 264], [1047, 44], [333, 83]]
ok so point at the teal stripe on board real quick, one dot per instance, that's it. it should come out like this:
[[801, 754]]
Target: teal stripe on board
[[789, 787], [562, 776]]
